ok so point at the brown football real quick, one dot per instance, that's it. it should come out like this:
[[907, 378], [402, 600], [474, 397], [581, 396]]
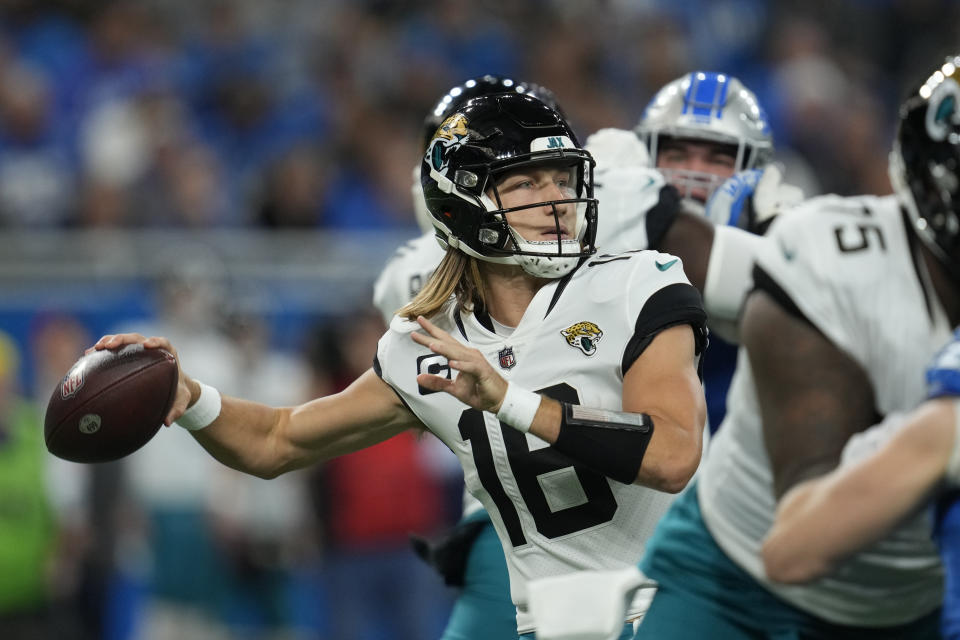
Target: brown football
[[110, 403]]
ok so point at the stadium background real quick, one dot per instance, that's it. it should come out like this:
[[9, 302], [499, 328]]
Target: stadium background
[[235, 173]]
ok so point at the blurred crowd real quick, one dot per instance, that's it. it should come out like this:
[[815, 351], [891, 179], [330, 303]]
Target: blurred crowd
[[306, 114]]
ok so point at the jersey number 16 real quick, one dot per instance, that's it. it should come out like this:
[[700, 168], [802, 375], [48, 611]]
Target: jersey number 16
[[526, 466]]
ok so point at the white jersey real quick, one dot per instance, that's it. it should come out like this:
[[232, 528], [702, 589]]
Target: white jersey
[[626, 188], [405, 273], [573, 343], [847, 265]]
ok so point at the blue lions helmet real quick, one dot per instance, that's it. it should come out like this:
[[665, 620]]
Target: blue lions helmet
[[710, 107]]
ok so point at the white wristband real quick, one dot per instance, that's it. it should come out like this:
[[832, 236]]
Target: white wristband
[[953, 465], [518, 408], [204, 411]]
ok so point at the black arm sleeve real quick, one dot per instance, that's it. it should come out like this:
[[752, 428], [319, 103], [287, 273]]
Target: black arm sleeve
[[675, 304], [609, 442]]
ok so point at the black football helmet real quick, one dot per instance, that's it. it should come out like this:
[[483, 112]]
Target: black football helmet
[[486, 138], [925, 163], [487, 85]]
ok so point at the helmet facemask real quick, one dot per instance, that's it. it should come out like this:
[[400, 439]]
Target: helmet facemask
[[707, 107], [467, 172], [545, 258], [698, 186]]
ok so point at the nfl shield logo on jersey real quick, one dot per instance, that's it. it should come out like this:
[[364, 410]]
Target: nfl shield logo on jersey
[[507, 359]]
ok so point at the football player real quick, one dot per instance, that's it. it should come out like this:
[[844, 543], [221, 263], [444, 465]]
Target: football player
[[887, 473], [700, 130], [566, 383], [853, 296], [469, 556]]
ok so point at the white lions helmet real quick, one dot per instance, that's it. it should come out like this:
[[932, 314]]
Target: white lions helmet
[[712, 107]]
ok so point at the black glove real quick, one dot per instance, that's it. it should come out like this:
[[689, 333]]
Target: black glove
[[449, 553]]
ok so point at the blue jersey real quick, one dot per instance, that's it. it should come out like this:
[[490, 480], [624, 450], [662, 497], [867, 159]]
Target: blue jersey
[[947, 532], [719, 363]]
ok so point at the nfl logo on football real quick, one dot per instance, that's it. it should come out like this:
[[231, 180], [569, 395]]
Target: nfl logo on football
[[507, 359], [71, 383]]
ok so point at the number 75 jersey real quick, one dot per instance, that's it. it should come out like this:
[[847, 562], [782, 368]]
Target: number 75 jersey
[[574, 343]]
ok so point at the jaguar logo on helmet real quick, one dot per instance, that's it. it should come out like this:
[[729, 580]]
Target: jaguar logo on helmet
[[451, 134], [942, 113], [583, 336], [925, 163]]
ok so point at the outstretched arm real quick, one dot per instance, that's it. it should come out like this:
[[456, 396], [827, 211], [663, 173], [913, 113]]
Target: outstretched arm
[[267, 441], [823, 520]]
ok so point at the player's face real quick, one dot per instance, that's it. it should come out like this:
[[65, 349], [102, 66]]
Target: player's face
[[539, 184], [700, 157]]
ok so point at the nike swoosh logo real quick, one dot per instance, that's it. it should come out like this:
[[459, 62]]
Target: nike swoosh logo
[[788, 254], [663, 266]]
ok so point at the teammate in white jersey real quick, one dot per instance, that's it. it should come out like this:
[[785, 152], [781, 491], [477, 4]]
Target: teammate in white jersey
[[919, 457], [888, 473], [510, 191], [853, 296]]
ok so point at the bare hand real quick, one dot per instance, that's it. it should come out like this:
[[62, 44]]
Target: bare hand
[[477, 383], [186, 391]]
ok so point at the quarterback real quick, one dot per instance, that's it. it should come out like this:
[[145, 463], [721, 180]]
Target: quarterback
[[469, 556], [574, 442]]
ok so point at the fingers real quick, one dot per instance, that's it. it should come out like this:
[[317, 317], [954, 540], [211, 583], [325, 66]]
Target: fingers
[[438, 340], [434, 383], [431, 328], [180, 402], [459, 356], [119, 340], [115, 341], [157, 342]]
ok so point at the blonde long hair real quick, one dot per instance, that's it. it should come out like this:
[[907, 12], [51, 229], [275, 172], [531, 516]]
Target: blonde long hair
[[457, 275]]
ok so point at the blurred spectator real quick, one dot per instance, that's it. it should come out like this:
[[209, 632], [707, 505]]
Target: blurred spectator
[[370, 502], [292, 193], [264, 528], [247, 114], [85, 498], [188, 190], [37, 176], [184, 570], [27, 528]]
